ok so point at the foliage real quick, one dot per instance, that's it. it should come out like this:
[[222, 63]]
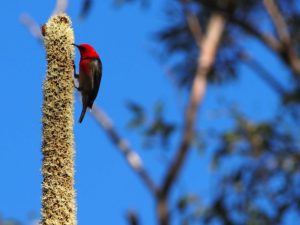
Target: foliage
[[255, 162], [152, 129]]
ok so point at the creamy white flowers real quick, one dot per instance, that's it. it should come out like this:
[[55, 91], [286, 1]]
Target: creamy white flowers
[[58, 200]]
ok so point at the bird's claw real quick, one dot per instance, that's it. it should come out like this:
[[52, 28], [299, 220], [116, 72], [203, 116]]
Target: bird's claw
[[76, 76], [74, 68], [77, 88]]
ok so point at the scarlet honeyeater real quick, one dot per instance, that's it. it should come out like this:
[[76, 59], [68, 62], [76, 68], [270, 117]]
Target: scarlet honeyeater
[[90, 74]]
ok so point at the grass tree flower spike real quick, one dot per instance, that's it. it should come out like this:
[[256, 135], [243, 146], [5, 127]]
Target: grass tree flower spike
[[58, 200]]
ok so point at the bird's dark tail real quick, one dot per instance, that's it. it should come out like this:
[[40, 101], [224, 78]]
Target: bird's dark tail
[[82, 113]]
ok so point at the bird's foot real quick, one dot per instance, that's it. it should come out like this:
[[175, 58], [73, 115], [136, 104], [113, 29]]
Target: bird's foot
[[77, 88], [74, 68]]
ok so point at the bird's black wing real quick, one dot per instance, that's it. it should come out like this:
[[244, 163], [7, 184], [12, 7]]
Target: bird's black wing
[[96, 66]]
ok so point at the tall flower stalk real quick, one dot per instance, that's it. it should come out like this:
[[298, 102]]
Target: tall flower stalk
[[58, 200]]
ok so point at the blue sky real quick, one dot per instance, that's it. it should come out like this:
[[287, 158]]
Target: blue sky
[[106, 187]]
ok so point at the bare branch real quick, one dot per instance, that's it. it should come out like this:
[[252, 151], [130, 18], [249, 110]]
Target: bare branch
[[283, 48], [60, 7], [288, 55], [162, 211], [278, 20], [132, 158], [32, 26], [194, 26], [209, 47], [267, 39], [193, 23]]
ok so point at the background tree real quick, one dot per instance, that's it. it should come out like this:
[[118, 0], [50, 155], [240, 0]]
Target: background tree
[[255, 161]]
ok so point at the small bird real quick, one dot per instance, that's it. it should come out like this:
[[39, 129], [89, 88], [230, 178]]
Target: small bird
[[90, 74]]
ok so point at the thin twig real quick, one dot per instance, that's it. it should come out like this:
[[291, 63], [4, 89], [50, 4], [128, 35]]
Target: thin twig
[[32, 26], [193, 23], [267, 39], [278, 20], [194, 26], [288, 54], [131, 156], [60, 7]]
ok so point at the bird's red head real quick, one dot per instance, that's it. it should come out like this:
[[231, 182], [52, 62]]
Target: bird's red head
[[87, 51]]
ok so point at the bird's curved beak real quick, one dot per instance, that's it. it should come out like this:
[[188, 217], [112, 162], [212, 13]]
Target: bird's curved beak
[[75, 45]]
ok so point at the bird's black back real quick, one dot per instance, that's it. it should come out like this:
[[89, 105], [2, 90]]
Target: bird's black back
[[96, 66]]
